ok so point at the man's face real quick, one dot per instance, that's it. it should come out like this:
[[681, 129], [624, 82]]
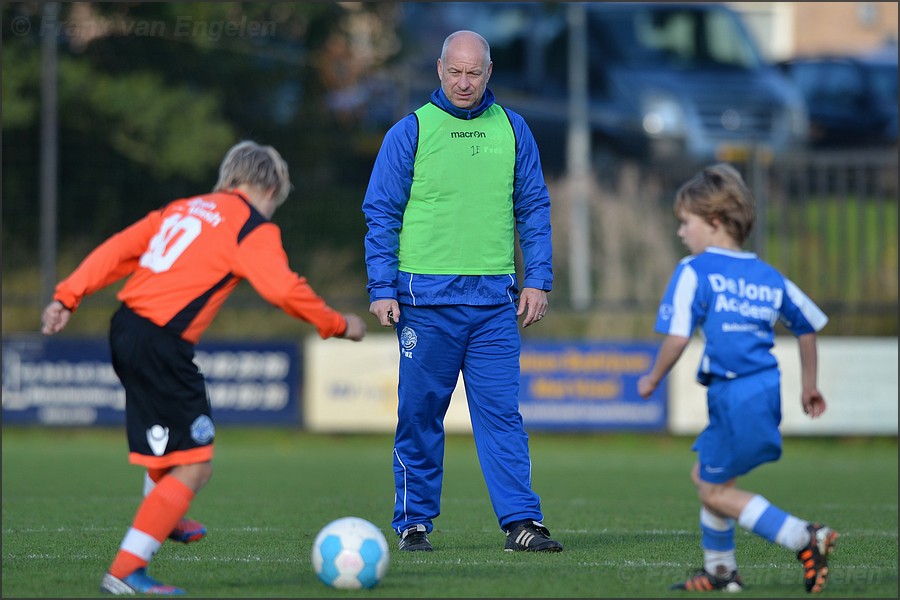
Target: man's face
[[464, 72]]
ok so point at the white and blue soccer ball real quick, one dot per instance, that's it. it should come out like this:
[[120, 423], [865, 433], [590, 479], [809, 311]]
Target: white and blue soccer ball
[[350, 553]]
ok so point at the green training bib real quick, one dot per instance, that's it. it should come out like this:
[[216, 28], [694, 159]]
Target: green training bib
[[459, 219]]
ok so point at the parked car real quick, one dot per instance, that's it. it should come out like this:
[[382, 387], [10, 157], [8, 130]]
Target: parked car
[[666, 81], [851, 100]]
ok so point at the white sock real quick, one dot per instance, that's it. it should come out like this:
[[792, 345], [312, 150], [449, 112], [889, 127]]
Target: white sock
[[793, 534], [149, 484], [717, 558], [752, 511]]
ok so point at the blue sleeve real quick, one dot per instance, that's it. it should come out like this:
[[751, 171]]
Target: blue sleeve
[[384, 204], [531, 205]]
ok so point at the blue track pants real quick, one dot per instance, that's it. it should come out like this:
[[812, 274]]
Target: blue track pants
[[436, 343]]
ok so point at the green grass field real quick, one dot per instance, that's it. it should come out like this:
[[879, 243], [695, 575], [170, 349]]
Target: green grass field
[[622, 505]]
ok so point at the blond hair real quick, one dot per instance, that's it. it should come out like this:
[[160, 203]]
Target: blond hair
[[253, 164], [719, 192]]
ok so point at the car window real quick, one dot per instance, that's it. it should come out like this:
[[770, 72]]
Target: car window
[[680, 37], [515, 31]]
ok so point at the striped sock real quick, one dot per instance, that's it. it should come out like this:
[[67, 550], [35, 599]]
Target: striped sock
[[717, 541], [762, 518], [161, 509], [793, 534]]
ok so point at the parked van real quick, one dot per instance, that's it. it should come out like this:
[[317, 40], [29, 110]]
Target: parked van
[[852, 99], [666, 81]]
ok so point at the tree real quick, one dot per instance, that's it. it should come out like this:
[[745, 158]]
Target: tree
[[151, 95]]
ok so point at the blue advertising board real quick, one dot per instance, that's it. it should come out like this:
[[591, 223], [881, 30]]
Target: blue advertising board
[[589, 386], [61, 381]]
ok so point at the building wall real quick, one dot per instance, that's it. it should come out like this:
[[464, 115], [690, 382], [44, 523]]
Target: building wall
[[843, 26], [788, 29]]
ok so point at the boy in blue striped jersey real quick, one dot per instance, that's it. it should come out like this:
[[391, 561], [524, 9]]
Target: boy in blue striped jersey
[[736, 299]]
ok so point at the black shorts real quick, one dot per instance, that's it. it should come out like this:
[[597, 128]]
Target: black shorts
[[168, 416]]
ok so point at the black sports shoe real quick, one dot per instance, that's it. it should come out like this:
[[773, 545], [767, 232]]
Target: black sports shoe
[[814, 556], [704, 581], [415, 539], [530, 536]]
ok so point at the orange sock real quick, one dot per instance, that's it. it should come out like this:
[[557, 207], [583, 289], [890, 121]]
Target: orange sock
[[156, 517], [157, 474], [125, 564]]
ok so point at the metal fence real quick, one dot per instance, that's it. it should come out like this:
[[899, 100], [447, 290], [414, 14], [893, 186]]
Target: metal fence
[[827, 220]]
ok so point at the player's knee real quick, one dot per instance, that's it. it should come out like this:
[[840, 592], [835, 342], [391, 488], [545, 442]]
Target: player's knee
[[195, 476], [204, 474], [712, 495], [695, 476]]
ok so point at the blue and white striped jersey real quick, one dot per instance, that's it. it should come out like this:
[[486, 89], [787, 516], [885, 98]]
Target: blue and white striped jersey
[[735, 299]]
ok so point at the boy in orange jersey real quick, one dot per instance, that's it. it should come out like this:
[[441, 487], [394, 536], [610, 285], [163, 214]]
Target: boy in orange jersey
[[183, 261]]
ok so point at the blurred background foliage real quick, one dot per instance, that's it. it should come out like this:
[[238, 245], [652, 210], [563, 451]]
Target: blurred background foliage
[[150, 97], [152, 94]]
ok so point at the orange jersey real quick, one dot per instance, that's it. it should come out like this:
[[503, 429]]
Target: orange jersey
[[185, 259]]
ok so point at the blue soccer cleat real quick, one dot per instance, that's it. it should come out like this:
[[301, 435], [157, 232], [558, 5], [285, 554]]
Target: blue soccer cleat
[[187, 531], [137, 583]]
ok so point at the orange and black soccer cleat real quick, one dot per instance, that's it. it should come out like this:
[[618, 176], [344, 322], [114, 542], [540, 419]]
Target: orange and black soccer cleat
[[704, 581], [814, 556]]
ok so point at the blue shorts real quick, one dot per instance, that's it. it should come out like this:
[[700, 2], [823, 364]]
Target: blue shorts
[[744, 415]]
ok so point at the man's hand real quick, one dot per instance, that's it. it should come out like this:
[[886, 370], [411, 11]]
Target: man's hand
[[387, 311], [55, 318], [533, 304]]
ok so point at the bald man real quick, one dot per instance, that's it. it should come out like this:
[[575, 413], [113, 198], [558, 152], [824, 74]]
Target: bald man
[[453, 184]]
